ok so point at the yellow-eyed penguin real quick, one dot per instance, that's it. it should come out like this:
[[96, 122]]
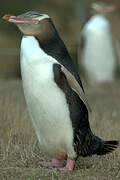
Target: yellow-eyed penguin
[[96, 52], [54, 94]]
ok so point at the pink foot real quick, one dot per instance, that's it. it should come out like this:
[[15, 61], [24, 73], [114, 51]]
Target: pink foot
[[54, 163], [69, 166]]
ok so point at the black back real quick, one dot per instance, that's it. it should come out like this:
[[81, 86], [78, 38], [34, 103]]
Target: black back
[[55, 47]]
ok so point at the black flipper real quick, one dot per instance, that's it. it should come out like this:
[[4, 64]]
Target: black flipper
[[85, 142]]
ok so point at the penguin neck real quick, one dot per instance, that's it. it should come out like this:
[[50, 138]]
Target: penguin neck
[[32, 52], [53, 45], [91, 16]]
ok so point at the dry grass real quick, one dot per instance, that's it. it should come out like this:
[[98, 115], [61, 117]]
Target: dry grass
[[19, 148]]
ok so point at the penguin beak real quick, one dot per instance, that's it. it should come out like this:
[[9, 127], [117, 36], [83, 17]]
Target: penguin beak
[[19, 20], [110, 8]]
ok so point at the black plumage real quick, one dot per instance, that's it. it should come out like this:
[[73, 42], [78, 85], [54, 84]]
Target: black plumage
[[85, 142], [54, 46]]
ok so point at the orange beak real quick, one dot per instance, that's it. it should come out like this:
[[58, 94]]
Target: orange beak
[[17, 20]]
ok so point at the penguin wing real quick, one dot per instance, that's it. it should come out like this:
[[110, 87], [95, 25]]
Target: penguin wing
[[59, 72], [75, 86], [78, 106]]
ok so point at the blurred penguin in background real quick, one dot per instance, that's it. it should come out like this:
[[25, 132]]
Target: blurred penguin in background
[[96, 52]]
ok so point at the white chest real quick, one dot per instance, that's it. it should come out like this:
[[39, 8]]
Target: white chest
[[46, 102], [38, 78]]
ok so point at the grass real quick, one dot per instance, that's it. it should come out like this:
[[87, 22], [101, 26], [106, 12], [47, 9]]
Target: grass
[[19, 148]]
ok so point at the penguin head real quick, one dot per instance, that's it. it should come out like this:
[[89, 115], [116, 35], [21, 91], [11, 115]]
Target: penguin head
[[31, 23], [101, 8]]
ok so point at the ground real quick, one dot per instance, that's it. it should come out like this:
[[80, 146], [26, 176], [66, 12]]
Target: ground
[[19, 148]]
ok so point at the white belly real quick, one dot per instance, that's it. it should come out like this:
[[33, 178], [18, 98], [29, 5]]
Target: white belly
[[98, 58], [48, 109]]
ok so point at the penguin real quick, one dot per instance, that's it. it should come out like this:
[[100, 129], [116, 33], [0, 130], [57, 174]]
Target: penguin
[[96, 52], [56, 102]]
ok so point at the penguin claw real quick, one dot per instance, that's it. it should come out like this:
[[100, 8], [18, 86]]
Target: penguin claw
[[54, 163], [58, 164], [69, 166]]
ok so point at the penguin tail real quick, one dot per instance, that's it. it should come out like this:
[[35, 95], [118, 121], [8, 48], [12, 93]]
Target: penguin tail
[[98, 146], [106, 147]]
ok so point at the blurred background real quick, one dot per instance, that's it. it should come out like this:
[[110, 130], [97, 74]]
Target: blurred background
[[68, 16]]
